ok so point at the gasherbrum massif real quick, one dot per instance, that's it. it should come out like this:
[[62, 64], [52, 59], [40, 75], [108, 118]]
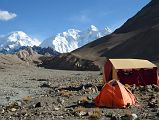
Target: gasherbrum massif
[[62, 42], [73, 39]]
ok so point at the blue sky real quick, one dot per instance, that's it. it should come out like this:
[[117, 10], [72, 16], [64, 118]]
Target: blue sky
[[44, 18]]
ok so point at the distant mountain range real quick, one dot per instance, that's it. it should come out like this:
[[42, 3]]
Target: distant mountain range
[[61, 43], [72, 39]]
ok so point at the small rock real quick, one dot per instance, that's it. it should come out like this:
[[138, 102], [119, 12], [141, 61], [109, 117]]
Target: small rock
[[156, 87], [12, 105], [152, 103], [70, 110], [8, 98], [115, 117], [24, 111], [27, 98], [90, 113], [89, 98], [61, 117], [133, 116], [142, 88], [109, 114], [129, 117], [148, 88], [95, 114], [19, 103], [15, 114], [31, 105], [56, 108], [125, 117], [81, 113], [2, 110], [13, 109], [60, 100], [46, 84], [83, 87], [133, 88], [38, 104], [94, 89]]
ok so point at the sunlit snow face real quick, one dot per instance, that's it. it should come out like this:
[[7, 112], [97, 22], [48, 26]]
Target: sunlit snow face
[[72, 39], [17, 39]]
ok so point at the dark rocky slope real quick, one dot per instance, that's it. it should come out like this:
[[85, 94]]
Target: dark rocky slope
[[62, 61], [67, 62], [137, 38]]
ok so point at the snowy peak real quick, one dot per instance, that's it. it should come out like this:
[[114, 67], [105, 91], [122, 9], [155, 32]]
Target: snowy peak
[[72, 39], [17, 36], [15, 40], [93, 28], [108, 30], [62, 42], [71, 32]]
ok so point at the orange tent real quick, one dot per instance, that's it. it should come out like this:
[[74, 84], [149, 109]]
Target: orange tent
[[115, 95]]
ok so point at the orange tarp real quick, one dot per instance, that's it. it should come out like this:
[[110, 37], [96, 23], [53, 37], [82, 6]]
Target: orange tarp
[[115, 95]]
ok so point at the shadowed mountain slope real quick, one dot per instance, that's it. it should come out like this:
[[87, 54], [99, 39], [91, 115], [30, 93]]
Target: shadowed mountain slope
[[137, 38]]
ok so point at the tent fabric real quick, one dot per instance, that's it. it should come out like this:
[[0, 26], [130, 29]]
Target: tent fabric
[[107, 70], [115, 95], [138, 77], [131, 71], [131, 63]]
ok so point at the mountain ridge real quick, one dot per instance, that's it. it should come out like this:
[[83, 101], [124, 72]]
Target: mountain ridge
[[72, 39], [136, 38], [62, 42]]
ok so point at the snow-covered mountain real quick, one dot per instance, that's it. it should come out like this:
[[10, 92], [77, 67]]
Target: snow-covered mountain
[[73, 39], [15, 40], [62, 42]]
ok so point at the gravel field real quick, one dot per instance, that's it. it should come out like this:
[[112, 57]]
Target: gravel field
[[17, 81], [28, 92]]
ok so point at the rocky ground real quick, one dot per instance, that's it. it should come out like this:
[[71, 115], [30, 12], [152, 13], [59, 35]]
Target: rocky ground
[[32, 93]]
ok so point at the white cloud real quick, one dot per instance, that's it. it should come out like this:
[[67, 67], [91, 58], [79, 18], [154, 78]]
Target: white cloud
[[5, 15]]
